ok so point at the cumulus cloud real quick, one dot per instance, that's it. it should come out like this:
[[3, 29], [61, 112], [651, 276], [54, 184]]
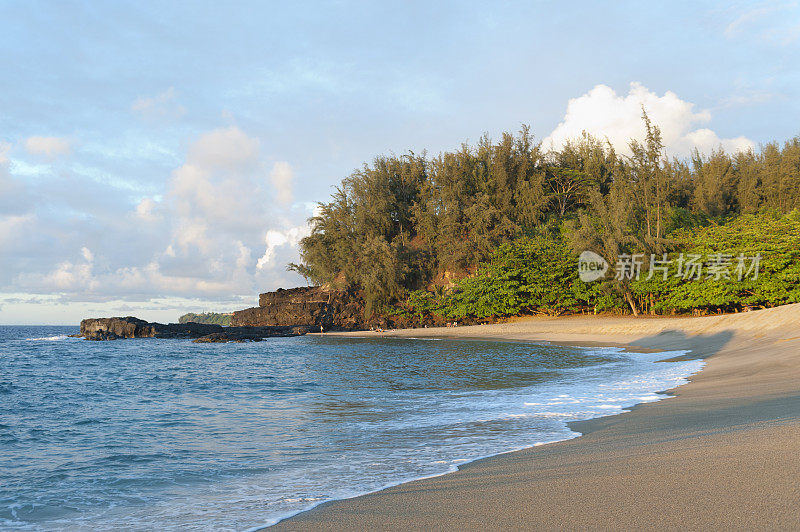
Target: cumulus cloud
[[603, 113], [224, 149], [282, 178], [221, 207], [48, 147], [276, 239], [222, 182], [68, 276], [202, 238], [161, 106], [147, 210]]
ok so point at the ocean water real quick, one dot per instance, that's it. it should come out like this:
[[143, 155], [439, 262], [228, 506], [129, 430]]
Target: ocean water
[[169, 435]]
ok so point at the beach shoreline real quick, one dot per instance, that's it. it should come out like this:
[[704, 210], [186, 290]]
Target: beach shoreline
[[719, 453]]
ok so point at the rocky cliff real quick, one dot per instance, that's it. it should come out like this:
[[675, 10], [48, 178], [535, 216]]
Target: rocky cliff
[[315, 306], [307, 306]]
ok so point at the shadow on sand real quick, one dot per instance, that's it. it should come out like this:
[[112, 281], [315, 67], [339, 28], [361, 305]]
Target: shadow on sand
[[700, 346]]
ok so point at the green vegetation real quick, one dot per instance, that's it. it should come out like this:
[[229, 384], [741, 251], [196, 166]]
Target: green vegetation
[[776, 237], [527, 275], [211, 318], [496, 229]]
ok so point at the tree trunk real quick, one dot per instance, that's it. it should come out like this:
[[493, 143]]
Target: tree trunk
[[631, 302]]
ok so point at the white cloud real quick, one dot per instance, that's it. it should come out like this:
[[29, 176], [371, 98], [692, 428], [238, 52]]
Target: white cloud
[[745, 19], [773, 23], [222, 181], [191, 233], [147, 210], [5, 147], [282, 178], [48, 147], [224, 149], [195, 241], [706, 140], [160, 106], [220, 206], [14, 198], [748, 97], [67, 276], [605, 114], [245, 257], [275, 239], [12, 227], [149, 279]]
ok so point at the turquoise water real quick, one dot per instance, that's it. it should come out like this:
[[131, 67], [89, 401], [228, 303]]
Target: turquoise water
[[169, 435]]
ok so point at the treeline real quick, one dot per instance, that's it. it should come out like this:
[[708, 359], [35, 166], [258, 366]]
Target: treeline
[[539, 275], [209, 318], [412, 229]]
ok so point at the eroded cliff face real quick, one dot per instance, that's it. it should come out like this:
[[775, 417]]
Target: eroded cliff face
[[306, 306], [315, 306]]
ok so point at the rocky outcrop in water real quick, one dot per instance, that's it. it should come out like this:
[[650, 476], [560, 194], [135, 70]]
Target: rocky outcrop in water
[[251, 334], [130, 327]]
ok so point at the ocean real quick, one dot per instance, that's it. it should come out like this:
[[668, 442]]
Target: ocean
[[151, 434]]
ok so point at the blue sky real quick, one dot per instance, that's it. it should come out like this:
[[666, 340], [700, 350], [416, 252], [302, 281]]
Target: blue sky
[[157, 159]]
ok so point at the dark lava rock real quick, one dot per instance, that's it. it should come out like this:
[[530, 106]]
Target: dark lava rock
[[323, 308], [312, 307], [251, 334], [130, 327]]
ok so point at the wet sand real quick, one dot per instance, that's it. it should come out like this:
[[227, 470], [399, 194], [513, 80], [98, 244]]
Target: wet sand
[[723, 453]]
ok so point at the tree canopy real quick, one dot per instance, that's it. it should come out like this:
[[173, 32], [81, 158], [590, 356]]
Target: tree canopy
[[413, 230]]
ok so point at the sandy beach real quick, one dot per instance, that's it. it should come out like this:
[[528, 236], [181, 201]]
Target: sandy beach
[[721, 454]]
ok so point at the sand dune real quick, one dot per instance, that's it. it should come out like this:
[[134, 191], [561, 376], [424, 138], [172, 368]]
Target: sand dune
[[724, 453]]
